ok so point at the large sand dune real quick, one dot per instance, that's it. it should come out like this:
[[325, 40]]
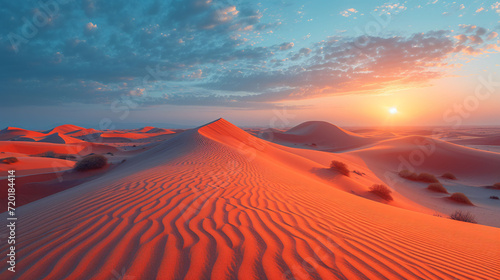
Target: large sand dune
[[218, 203], [323, 135]]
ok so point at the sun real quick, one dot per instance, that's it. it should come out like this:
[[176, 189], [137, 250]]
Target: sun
[[393, 110]]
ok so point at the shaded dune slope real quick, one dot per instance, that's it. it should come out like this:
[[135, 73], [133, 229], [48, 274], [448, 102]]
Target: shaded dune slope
[[322, 134], [218, 203]]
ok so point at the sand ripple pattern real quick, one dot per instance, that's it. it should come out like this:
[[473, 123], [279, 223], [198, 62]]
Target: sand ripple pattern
[[215, 214]]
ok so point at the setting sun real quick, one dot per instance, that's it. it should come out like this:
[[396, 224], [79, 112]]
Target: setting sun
[[393, 110]]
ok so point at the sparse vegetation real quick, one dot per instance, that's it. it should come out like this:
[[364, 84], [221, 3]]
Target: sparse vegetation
[[9, 160], [494, 197], [437, 187], [437, 214], [427, 178], [460, 198], [91, 162], [463, 216], [340, 167], [382, 190], [422, 177], [449, 175]]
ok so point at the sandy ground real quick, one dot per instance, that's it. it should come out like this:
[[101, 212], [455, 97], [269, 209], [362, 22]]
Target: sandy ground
[[216, 202]]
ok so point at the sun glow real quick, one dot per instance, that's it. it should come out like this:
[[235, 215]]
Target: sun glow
[[393, 110]]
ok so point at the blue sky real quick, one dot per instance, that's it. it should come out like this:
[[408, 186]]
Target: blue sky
[[185, 62]]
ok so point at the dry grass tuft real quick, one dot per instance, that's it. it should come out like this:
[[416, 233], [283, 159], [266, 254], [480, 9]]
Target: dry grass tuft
[[340, 167], [422, 177], [449, 175], [463, 216], [460, 198], [91, 162], [382, 190], [437, 187]]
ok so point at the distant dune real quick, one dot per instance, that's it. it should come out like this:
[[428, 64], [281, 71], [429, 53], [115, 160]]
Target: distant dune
[[321, 134], [218, 203], [59, 138]]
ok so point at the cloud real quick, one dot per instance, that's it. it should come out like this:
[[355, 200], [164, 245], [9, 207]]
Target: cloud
[[480, 10], [337, 66], [301, 53], [286, 46], [492, 35], [391, 8], [211, 53], [496, 7], [348, 12], [90, 26]]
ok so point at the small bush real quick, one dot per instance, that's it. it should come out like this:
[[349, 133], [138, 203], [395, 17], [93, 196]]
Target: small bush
[[91, 162], [408, 175], [427, 178], [463, 216], [382, 190], [422, 177], [340, 167], [437, 187], [449, 175], [494, 197], [461, 198], [9, 160]]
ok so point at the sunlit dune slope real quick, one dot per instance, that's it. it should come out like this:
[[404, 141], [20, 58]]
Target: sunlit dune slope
[[217, 203]]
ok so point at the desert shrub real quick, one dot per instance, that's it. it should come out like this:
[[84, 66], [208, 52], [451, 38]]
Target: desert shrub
[[422, 177], [461, 198], [427, 178], [9, 160], [91, 162], [382, 190], [494, 197], [437, 187], [408, 175], [449, 175], [340, 167], [463, 216]]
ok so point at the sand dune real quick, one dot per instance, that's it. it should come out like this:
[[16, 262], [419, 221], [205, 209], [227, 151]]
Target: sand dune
[[322, 135], [217, 203], [58, 138], [36, 148], [83, 132], [13, 132], [492, 140], [64, 129], [434, 156]]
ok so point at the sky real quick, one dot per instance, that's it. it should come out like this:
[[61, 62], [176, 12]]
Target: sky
[[108, 64]]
